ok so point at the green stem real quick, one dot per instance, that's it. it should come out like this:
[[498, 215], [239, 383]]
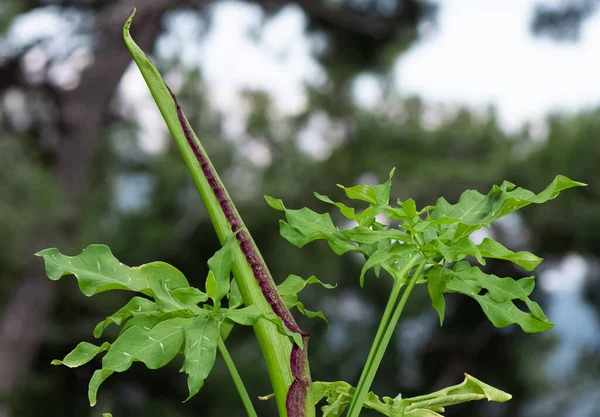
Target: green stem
[[275, 346], [237, 380], [367, 375]]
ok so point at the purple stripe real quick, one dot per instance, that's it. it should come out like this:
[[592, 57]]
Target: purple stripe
[[296, 398]]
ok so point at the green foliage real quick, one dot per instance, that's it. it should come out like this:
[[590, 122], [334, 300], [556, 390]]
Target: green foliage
[[440, 235], [200, 351], [436, 238], [155, 331], [339, 395], [497, 302], [429, 246], [289, 289], [436, 241]]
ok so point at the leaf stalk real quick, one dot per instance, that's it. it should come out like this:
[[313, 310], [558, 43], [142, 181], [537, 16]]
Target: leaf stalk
[[384, 333], [237, 379]]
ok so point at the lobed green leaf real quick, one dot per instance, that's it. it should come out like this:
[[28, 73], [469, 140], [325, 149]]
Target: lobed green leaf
[[304, 226], [190, 295], [163, 279], [201, 339], [393, 256], [289, 289], [96, 270], [135, 305], [155, 346], [475, 210], [293, 284], [82, 354], [377, 195], [235, 296], [347, 212], [99, 376], [220, 265], [149, 319], [498, 300], [366, 235], [249, 315], [292, 301], [489, 248]]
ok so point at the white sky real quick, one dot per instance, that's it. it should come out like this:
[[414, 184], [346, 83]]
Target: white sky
[[483, 53]]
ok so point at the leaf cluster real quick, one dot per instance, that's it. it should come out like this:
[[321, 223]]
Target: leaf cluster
[[169, 317], [398, 236]]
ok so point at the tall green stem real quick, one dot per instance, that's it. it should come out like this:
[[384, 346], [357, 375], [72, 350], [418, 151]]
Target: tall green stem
[[368, 373], [237, 379], [275, 346]]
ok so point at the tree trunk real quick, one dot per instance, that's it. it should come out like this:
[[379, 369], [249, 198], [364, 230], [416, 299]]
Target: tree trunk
[[80, 121]]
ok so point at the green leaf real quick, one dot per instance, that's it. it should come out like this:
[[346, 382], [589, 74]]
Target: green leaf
[[378, 195], [382, 191], [149, 319], [471, 389], [249, 315], [275, 203], [489, 248], [235, 297], [293, 284], [98, 378], [498, 302], [211, 286], [475, 210], [96, 270], [82, 354], [163, 279], [456, 251], [517, 198], [471, 209], [292, 301], [201, 340], [220, 265], [368, 236], [436, 287], [304, 226], [395, 255], [409, 207], [347, 212], [289, 289], [136, 304], [190, 295], [155, 346], [246, 316], [338, 395], [360, 192]]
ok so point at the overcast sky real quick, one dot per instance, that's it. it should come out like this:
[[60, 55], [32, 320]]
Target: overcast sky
[[483, 53]]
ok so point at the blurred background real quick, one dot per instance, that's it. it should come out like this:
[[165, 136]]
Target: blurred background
[[290, 98]]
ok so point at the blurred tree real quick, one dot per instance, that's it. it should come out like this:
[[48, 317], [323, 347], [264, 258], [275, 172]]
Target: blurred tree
[[66, 132], [66, 147], [562, 21]]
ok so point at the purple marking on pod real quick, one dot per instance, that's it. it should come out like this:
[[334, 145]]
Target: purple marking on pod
[[296, 399]]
